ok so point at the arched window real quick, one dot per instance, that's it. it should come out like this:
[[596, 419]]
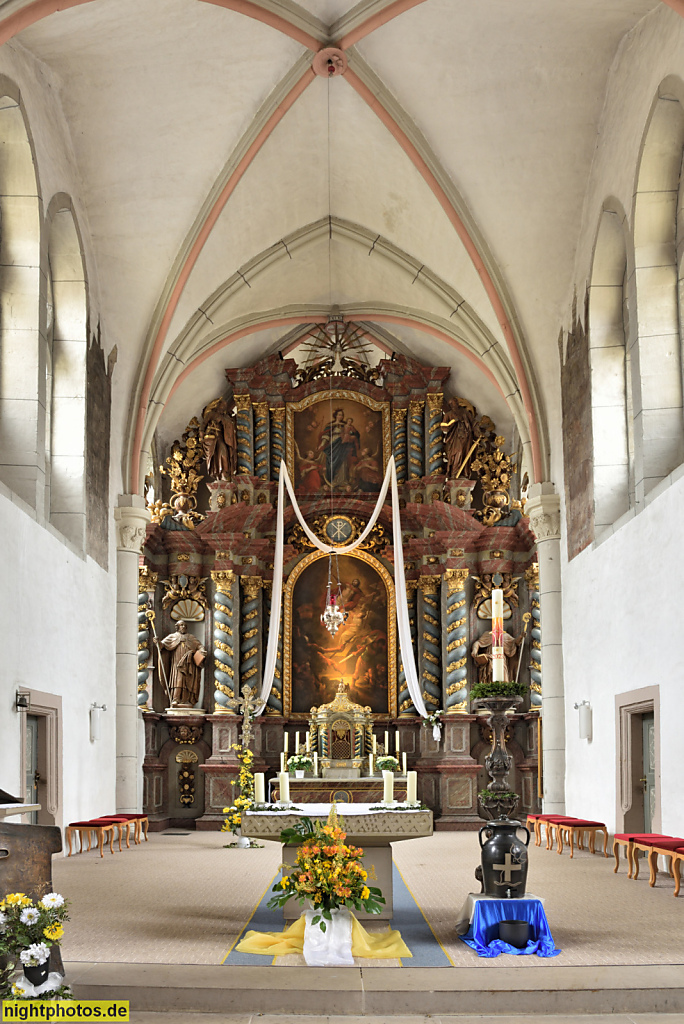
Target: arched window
[[611, 391], [67, 340], [659, 434], [22, 370]]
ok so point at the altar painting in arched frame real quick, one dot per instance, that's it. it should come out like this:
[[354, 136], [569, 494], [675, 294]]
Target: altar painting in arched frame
[[362, 652], [340, 439]]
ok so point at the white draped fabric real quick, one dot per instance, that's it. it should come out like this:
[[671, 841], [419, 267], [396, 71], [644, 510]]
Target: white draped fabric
[[403, 627]]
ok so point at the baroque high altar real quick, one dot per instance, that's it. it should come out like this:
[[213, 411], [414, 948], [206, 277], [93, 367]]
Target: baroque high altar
[[207, 571]]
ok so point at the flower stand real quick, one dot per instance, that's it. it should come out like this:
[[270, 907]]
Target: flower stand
[[332, 947], [52, 984]]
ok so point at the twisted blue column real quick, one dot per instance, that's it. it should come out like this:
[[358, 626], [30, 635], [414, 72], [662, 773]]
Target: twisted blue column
[[261, 430], [435, 450], [404, 702], [431, 648], [416, 439], [399, 442], [535, 666], [277, 439], [243, 429], [456, 693], [274, 703], [250, 628], [224, 653]]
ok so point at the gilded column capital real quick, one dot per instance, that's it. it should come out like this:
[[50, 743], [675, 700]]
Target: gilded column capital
[[411, 585], [261, 408], [543, 510], [532, 576], [429, 584], [456, 579], [416, 406], [435, 400], [223, 580], [278, 413], [398, 415], [252, 585], [242, 402], [147, 580]]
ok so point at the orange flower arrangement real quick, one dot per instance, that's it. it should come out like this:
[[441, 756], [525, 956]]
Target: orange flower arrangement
[[327, 871]]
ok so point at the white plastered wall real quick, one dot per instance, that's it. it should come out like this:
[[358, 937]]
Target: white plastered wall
[[621, 597], [57, 606]]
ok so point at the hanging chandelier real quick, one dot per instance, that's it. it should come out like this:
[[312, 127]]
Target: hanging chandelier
[[333, 615]]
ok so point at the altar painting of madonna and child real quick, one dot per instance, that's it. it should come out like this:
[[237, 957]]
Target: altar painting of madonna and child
[[357, 653], [342, 446]]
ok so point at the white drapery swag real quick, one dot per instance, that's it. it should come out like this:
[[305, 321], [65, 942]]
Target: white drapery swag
[[404, 630]]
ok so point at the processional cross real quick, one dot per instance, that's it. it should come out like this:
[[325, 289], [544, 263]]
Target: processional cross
[[247, 704], [507, 867]]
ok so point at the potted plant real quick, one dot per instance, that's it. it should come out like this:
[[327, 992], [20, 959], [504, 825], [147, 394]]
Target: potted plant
[[28, 929], [299, 764], [328, 874], [387, 763], [233, 820]]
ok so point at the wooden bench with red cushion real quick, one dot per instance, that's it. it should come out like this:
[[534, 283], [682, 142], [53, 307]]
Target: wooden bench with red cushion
[[100, 826], [667, 847], [626, 840]]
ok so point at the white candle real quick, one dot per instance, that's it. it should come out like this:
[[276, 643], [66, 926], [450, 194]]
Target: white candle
[[396, 742], [375, 744], [403, 762], [297, 742], [308, 742], [260, 788], [316, 763], [386, 742], [282, 761], [285, 742], [284, 785], [370, 764], [387, 787], [412, 787], [497, 636]]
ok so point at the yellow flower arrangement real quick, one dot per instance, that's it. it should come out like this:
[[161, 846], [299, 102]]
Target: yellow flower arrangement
[[327, 871], [245, 800]]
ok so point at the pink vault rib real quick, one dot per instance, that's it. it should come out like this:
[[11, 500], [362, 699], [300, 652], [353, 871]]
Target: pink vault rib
[[470, 247], [192, 257], [376, 20], [676, 5], [34, 12]]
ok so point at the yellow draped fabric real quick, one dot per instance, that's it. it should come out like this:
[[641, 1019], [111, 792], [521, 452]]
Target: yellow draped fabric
[[387, 945]]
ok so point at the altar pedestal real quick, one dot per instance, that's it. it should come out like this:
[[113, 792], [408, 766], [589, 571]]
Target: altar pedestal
[[312, 790], [371, 830]]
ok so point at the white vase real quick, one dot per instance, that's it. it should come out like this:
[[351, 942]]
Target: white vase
[[299, 773], [332, 947], [242, 842]]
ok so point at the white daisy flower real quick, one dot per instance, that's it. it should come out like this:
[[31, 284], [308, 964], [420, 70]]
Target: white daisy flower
[[52, 901], [29, 915]]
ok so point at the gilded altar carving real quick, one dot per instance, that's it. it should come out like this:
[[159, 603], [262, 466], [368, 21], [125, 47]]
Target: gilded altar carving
[[181, 587], [322, 526]]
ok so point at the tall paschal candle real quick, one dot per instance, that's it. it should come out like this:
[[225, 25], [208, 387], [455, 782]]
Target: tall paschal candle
[[497, 636]]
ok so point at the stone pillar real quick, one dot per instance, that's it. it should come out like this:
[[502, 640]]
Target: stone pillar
[[147, 583], [261, 439], [543, 508], [274, 704], [399, 442], [131, 518], [431, 642], [456, 674], [405, 705], [435, 453], [224, 642], [416, 439], [250, 631], [277, 439], [243, 429], [532, 578]]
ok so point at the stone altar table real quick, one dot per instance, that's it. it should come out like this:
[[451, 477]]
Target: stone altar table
[[365, 790], [373, 830]]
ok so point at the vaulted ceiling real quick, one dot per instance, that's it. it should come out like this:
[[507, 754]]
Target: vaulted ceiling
[[433, 190]]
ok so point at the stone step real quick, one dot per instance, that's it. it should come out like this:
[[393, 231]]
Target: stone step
[[541, 988]]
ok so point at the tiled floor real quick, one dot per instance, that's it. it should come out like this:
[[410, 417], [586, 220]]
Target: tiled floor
[[185, 899]]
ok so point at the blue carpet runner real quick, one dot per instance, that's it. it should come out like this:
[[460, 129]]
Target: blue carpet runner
[[408, 919]]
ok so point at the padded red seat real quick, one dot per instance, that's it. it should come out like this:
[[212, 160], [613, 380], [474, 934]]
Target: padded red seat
[[580, 825], [140, 822], [97, 825], [631, 837], [663, 843]]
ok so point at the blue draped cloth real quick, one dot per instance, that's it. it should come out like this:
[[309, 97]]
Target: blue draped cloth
[[483, 933]]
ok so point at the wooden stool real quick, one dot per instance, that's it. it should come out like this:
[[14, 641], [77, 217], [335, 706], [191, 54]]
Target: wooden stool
[[99, 827], [579, 826], [627, 840], [121, 822], [137, 821], [534, 825], [664, 845]]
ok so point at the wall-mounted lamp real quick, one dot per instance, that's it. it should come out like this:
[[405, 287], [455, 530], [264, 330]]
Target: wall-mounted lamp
[[584, 708], [22, 701], [96, 720]]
